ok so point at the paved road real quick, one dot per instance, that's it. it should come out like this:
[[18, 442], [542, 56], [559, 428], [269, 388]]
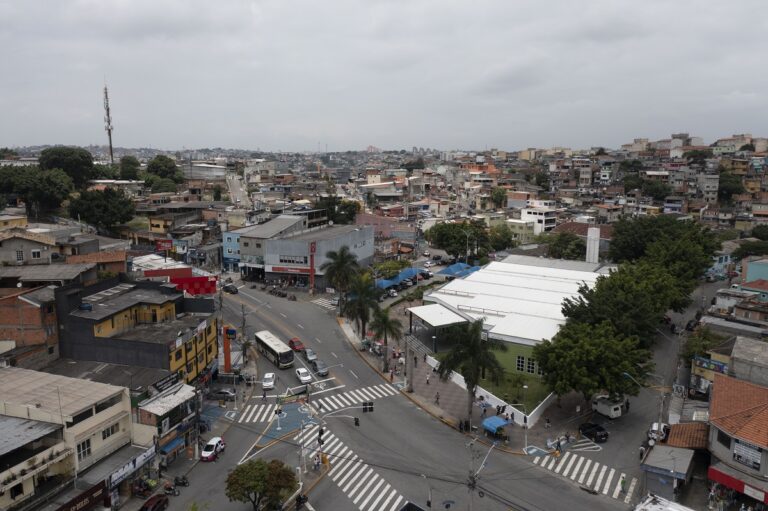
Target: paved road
[[399, 453], [237, 190]]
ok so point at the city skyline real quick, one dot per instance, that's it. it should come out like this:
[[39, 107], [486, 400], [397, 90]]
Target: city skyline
[[300, 77]]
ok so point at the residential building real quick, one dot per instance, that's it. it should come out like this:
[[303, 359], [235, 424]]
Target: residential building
[[544, 219], [523, 231], [8, 221], [22, 247], [252, 241], [67, 425], [112, 261], [28, 327]]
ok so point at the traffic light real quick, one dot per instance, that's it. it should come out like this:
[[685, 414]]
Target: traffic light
[[320, 432], [368, 406], [357, 422]]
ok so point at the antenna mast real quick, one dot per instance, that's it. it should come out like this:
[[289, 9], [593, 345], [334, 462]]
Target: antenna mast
[[108, 124]]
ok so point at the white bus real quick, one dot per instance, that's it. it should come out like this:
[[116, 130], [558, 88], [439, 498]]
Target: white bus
[[275, 350]]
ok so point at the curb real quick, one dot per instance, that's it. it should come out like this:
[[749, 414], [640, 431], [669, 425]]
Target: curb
[[418, 403]]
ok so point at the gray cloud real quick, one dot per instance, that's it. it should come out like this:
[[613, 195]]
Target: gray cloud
[[286, 75]]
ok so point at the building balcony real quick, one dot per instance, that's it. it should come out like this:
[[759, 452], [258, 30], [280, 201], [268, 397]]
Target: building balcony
[[33, 465]]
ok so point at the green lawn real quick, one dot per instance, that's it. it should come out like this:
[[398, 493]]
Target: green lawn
[[508, 391]]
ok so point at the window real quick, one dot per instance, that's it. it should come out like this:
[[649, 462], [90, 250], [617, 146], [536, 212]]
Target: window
[[190, 367], [723, 439], [83, 450], [112, 430], [210, 349], [258, 245], [531, 366], [109, 403], [229, 251], [229, 239], [293, 259], [17, 490], [201, 358], [520, 363], [35, 254], [51, 349], [245, 244], [19, 255], [177, 356]]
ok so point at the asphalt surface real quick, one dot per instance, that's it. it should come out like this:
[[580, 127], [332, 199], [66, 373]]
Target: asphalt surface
[[398, 453]]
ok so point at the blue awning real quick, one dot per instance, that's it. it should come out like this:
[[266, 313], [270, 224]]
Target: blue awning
[[384, 284], [172, 446], [492, 424], [454, 269], [464, 273]]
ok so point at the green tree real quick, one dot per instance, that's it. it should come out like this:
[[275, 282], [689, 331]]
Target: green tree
[[760, 232], [542, 180], [499, 197], [656, 189], [501, 237], [75, 161], [360, 300], [631, 166], [591, 359], [632, 182], [600, 151], [105, 171], [729, 186], [458, 239], [339, 269], [566, 245], [264, 484], [697, 156], [129, 167], [633, 299], [8, 154], [102, 209], [163, 185], [750, 248], [165, 167], [699, 343], [389, 269], [748, 147], [217, 192], [472, 357], [385, 327], [49, 190]]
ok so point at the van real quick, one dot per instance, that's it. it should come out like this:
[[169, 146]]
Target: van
[[604, 405]]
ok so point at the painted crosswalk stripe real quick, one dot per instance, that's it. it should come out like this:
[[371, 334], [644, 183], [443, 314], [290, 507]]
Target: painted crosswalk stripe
[[570, 464], [376, 392], [366, 488], [608, 481], [576, 468], [335, 401], [536, 460], [354, 478], [342, 467], [585, 472], [256, 410], [331, 403], [397, 503], [617, 490], [263, 415], [365, 475], [551, 463], [391, 496], [372, 493], [381, 496], [600, 478], [245, 412], [357, 464], [562, 462], [344, 399], [335, 457], [390, 389], [630, 490], [365, 394]]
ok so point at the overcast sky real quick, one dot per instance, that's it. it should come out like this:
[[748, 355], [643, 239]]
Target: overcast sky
[[295, 75]]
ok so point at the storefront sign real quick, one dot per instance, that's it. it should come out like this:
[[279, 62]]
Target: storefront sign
[[747, 454], [711, 365], [167, 382], [163, 245], [754, 493], [286, 269], [132, 466], [96, 494]]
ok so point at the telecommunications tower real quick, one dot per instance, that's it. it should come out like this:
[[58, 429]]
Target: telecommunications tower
[[108, 124]]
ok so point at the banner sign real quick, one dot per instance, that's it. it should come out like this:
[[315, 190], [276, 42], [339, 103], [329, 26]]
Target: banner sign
[[163, 245]]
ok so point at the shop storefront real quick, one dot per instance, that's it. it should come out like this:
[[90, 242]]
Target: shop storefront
[[738, 481], [121, 480], [94, 496]]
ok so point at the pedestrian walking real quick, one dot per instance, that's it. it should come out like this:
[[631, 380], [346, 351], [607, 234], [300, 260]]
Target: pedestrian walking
[[642, 452], [425, 358], [263, 395], [437, 398], [428, 375], [391, 375], [626, 404], [547, 424], [623, 483], [485, 411]]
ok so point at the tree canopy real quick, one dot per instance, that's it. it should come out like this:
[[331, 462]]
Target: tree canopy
[[457, 239], [104, 209], [499, 197], [501, 237], [749, 248], [129, 167], [566, 245], [164, 167], [264, 484], [163, 185], [7, 153], [699, 342], [591, 359], [217, 192], [760, 232], [631, 165], [697, 156], [42, 190], [541, 179], [75, 161], [729, 186]]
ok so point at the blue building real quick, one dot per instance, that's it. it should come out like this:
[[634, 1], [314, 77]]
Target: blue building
[[231, 250]]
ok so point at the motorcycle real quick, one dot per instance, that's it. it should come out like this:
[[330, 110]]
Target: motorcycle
[[181, 481], [170, 489]]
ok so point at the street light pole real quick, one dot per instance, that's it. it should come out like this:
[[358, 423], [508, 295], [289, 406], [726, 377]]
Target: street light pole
[[525, 418]]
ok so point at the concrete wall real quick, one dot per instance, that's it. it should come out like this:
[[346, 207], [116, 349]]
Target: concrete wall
[[25, 323], [748, 371], [10, 246]]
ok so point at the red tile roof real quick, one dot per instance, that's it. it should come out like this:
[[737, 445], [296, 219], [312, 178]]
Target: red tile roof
[[740, 409], [98, 257], [690, 435], [760, 284]]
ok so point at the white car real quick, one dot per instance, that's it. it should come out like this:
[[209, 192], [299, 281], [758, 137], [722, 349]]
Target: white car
[[212, 449], [268, 383], [303, 375], [428, 264]]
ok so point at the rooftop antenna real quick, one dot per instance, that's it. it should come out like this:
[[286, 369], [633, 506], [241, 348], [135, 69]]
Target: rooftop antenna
[[108, 124]]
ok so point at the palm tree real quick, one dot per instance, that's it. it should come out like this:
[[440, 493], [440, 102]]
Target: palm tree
[[471, 356], [385, 326], [339, 270], [362, 298]]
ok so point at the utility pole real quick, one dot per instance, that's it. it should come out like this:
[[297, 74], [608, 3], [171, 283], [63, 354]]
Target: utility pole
[[108, 124], [243, 335]]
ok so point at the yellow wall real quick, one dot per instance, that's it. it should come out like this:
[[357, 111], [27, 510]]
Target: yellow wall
[[129, 318], [160, 225], [10, 223], [195, 355]]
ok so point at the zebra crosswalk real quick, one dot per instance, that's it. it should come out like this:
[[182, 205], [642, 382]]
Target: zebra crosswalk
[[257, 413], [324, 303], [595, 476], [353, 397], [361, 483]]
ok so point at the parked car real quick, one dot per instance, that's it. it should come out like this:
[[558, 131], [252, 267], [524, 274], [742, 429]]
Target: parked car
[[212, 449], [268, 383], [295, 344], [156, 503], [319, 367], [437, 258], [231, 289], [428, 264], [426, 253], [335, 301], [691, 325], [224, 395], [658, 432], [392, 293], [594, 432], [309, 354], [303, 375]]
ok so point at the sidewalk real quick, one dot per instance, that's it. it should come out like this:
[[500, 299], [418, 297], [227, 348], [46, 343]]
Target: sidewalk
[[452, 405]]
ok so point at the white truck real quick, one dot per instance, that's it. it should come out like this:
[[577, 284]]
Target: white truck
[[604, 405]]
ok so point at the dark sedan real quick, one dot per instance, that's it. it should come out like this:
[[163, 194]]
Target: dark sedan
[[594, 432]]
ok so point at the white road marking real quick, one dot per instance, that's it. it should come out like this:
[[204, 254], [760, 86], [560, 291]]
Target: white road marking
[[608, 481], [618, 487], [329, 390], [536, 460], [353, 374], [268, 306], [631, 489], [600, 478], [353, 491], [334, 355], [318, 340], [373, 492], [283, 315], [551, 463], [586, 470], [299, 325], [592, 474], [245, 412], [381, 495], [576, 469], [562, 462]]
